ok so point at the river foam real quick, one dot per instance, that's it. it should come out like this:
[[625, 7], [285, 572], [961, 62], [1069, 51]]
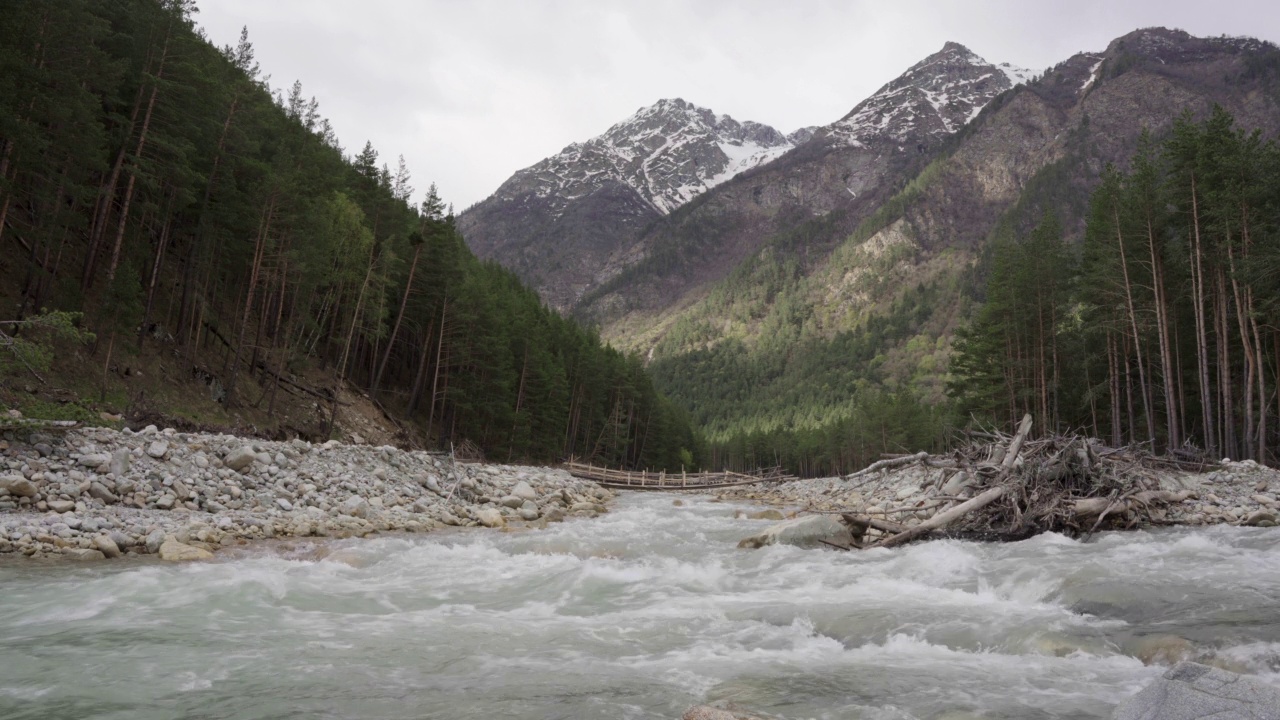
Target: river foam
[[637, 614]]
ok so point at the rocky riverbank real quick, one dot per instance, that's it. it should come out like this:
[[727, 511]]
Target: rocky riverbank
[[1236, 493], [97, 493]]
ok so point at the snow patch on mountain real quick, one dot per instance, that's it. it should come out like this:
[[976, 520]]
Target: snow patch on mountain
[[669, 152], [934, 98]]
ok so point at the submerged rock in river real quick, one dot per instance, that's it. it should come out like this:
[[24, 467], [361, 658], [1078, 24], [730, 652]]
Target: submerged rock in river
[[1197, 692], [806, 531]]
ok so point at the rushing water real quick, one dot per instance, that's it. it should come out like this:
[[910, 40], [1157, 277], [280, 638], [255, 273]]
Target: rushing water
[[637, 614]]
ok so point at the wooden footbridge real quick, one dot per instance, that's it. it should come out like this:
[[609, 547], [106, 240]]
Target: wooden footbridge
[[636, 480]]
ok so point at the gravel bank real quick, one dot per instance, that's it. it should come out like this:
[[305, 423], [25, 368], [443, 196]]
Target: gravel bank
[[1237, 493], [97, 493]]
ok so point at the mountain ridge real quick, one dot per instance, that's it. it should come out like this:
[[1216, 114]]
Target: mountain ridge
[[572, 222]]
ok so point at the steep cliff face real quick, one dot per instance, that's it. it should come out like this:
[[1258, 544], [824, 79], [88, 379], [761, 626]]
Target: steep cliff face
[[557, 222]]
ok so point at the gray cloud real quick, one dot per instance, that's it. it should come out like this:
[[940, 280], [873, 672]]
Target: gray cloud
[[471, 91]]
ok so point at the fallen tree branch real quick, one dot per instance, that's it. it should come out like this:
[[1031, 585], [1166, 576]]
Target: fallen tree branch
[[943, 519]]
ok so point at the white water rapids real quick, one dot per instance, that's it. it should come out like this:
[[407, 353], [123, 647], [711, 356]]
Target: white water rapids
[[637, 614]]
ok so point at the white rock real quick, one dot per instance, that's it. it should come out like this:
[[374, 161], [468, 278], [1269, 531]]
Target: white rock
[[174, 551], [107, 546], [490, 517], [240, 458], [810, 530]]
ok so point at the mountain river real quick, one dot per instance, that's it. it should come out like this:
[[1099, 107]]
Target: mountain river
[[636, 614]]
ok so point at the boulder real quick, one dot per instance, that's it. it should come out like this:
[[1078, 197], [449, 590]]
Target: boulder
[[120, 460], [355, 506], [158, 449], [107, 546], [1261, 518], [61, 506], [1161, 649], [95, 460], [490, 517], [18, 485], [101, 492], [84, 554], [808, 531], [524, 491], [240, 458], [511, 501], [154, 540], [1190, 691], [174, 551]]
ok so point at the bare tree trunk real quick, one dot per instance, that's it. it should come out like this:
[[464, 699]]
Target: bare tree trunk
[[431, 414], [156, 264], [259, 249], [1222, 339], [1162, 337], [404, 302], [1137, 338], [1202, 342], [420, 376], [346, 346], [137, 156]]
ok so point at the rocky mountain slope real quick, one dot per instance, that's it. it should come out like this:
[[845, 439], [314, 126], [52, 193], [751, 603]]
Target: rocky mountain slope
[[867, 294], [848, 261], [557, 221], [809, 195]]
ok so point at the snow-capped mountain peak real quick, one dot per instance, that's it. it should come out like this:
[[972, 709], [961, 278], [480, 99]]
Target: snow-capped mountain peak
[[933, 98], [668, 152]]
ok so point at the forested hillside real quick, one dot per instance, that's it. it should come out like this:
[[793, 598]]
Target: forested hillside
[[217, 234], [1165, 327], [831, 344]]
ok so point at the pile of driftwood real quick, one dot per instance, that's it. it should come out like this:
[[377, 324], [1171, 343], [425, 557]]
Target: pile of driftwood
[[1010, 488]]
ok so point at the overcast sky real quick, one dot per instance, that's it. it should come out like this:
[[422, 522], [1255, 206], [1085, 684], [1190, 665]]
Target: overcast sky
[[472, 90]]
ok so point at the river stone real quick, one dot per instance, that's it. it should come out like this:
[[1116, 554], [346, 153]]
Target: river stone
[[523, 491], [490, 517], [511, 501], [355, 506], [84, 554], [529, 513], [706, 712], [240, 458], [61, 506], [101, 492], [808, 531], [154, 540], [107, 546], [555, 514], [1162, 649], [957, 484], [1190, 691], [766, 515], [1261, 518], [158, 449], [285, 505], [120, 461], [18, 485], [174, 551], [95, 460]]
